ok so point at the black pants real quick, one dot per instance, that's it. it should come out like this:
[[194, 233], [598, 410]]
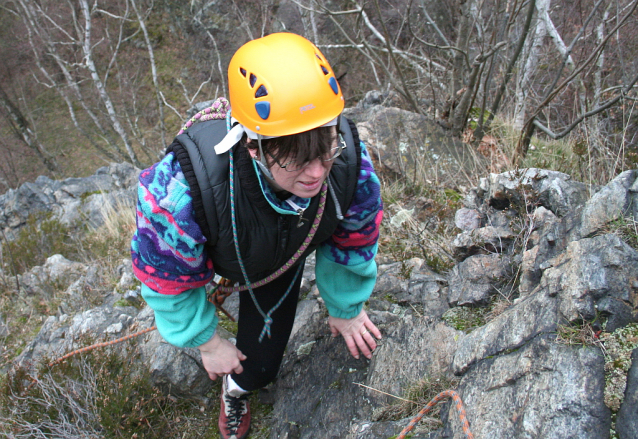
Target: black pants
[[264, 359]]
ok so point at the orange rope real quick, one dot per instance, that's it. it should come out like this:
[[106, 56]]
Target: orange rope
[[101, 345], [217, 298], [438, 398]]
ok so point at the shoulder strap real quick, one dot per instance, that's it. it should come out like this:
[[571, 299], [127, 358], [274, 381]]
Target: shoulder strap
[[203, 169], [348, 130]]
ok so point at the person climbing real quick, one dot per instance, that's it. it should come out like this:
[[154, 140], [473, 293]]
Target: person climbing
[[247, 195]]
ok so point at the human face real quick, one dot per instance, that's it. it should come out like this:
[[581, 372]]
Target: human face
[[305, 182]]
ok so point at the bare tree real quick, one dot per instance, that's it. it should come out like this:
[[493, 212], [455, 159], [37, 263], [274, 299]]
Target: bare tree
[[560, 83], [23, 132], [68, 43], [151, 56]]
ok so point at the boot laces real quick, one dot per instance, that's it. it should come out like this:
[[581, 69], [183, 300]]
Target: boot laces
[[236, 411]]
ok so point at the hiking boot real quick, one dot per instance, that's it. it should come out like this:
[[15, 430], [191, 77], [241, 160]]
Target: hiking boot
[[234, 414]]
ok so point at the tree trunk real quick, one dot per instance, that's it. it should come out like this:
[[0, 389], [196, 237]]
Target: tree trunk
[[524, 83], [20, 127], [97, 82]]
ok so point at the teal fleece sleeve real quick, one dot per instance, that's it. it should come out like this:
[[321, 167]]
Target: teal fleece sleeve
[[185, 320], [344, 288]]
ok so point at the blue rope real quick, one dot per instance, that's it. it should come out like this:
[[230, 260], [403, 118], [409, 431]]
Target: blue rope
[[267, 316], [268, 320]]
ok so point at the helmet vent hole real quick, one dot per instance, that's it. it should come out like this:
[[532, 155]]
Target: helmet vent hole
[[333, 85], [324, 70], [261, 92], [318, 57], [242, 71], [253, 80]]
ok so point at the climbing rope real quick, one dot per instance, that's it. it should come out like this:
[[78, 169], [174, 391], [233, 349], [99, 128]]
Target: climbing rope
[[211, 298], [218, 110], [430, 405], [248, 285], [101, 345]]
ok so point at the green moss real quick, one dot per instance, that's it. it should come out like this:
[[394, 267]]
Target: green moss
[[226, 323], [618, 348], [86, 195], [390, 298], [626, 227], [124, 303], [464, 318]]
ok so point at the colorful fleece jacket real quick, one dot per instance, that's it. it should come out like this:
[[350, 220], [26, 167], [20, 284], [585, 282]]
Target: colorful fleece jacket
[[170, 259]]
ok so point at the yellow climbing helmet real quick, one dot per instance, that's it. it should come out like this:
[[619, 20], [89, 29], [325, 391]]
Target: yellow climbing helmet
[[282, 84]]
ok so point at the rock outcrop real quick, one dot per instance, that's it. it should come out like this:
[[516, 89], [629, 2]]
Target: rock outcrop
[[70, 200]]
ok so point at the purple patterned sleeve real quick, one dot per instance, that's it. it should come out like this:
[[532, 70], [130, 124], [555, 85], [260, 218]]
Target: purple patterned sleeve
[[168, 246]]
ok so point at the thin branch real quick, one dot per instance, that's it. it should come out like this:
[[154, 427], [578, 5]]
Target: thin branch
[[528, 128], [584, 116], [170, 106], [433, 24], [385, 393], [567, 54]]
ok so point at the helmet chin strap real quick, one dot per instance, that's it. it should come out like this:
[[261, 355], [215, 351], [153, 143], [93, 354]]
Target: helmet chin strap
[[263, 165]]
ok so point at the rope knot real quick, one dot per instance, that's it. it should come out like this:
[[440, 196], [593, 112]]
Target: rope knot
[[266, 330]]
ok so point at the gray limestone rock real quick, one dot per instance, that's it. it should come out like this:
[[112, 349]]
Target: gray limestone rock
[[61, 335], [467, 219], [516, 381], [611, 202], [70, 200], [554, 190], [542, 390], [174, 370], [425, 349], [595, 275], [483, 240], [531, 316], [402, 142], [473, 281]]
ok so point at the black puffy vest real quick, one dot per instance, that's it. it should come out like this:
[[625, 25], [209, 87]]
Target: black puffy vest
[[267, 239]]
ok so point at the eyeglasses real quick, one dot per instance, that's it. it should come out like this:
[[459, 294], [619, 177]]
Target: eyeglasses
[[294, 166]]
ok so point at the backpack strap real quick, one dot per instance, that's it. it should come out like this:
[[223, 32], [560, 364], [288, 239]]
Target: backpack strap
[[348, 130], [203, 170]]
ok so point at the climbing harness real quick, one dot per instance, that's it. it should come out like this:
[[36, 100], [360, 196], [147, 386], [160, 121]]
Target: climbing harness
[[430, 405]]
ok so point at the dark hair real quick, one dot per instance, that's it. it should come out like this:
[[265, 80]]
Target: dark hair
[[301, 147]]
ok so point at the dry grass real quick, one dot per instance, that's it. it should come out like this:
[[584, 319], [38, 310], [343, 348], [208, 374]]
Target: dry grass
[[414, 399], [583, 334], [626, 228], [97, 395], [419, 223]]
